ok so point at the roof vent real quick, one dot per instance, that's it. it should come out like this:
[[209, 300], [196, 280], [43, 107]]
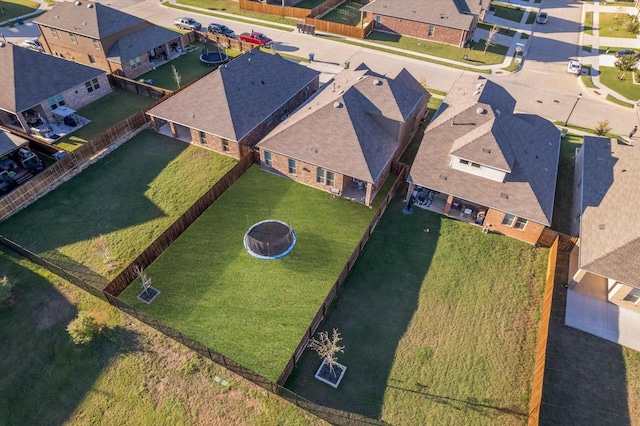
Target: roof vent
[[443, 177], [486, 150], [337, 104], [601, 226], [377, 82], [504, 195], [2, 44], [89, 6], [479, 85], [480, 111], [497, 112], [477, 92], [78, 3], [341, 92]]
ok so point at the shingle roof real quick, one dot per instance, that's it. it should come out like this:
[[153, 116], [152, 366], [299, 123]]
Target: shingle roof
[[447, 13], [9, 142], [29, 77], [527, 145], [610, 221], [234, 99], [128, 47], [345, 128], [90, 19]]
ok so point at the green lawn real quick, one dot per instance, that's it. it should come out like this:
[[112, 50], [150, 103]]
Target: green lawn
[[562, 216], [588, 23], [612, 25], [531, 18], [254, 311], [129, 375], [104, 114], [609, 78], [501, 30], [495, 54], [348, 13], [439, 327], [11, 9], [509, 12], [309, 4], [130, 197]]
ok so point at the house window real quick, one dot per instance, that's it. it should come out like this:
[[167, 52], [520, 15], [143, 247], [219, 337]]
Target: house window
[[476, 165], [92, 85], [73, 38], [432, 29], [330, 179], [319, 175], [225, 145], [96, 44], [54, 33], [267, 158], [203, 138], [463, 161], [520, 223], [135, 63], [508, 219], [378, 19], [56, 101], [92, 60], [269, 120], [292, 166]]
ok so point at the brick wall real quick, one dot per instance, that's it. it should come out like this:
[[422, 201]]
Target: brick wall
[[78, 52], [305, 172], [214, 143], [79, 96], [455, 37], [529, 234]]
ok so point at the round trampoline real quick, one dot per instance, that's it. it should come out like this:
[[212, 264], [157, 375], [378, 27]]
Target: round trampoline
[[213, 57], [269, 239]]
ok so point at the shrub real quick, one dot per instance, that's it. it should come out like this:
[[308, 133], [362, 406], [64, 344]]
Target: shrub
[[603, 128], [5, 289], [83, 329]]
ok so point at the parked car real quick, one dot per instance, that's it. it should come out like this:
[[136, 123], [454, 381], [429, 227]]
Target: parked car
[[32, 44], [574, 67], [624, 52], [542, 17], [255, 37], [221, 29], [187, 24]]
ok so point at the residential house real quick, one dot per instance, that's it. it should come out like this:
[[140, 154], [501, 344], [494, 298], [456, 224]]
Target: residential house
[[17, 162], [604, 288], [481, 162], [345, 139], [233, 107], [444, 21], [40, 92], [97, 35]]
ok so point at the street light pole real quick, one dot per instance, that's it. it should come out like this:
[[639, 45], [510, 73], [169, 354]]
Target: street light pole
[[574, 107]]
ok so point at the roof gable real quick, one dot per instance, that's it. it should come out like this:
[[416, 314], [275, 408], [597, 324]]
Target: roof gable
[[447, 13]]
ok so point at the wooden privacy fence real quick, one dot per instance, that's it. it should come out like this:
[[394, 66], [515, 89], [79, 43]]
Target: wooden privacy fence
[[272, 9], [549, 236], [138, 87], [227, 42], [342, 29], [337, 286], [69, 166], [543, 334]]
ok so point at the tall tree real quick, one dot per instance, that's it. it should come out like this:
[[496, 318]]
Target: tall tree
[[491, 38], [626, 63]]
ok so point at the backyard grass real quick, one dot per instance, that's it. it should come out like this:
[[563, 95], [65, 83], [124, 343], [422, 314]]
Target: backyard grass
[[410, 152], [130, 197], [562, 208], [308, 4], [254, 311], [439, 327], [612, 25], [129, 375], [104, 114], [626, 87], [230, 6], [347, 13], [508, 12], [475, 56], [11, 9], [588, 23]]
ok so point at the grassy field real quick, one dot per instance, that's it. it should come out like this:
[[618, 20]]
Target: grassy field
[[440, 327], [130, 197], [509, 12], [475, 56], [104, 114], [588, 23], [612, 25], [562, 216], [254, 311], [13, 8], [347, 13], [609, 78], [129, 375]]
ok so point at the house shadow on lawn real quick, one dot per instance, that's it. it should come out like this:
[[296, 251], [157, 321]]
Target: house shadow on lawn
[[372, 312]]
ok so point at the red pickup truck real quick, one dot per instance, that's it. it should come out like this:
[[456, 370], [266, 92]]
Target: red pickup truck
[[256, 38]]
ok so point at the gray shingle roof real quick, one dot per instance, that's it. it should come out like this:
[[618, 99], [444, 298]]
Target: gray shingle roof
[[610, 221], [447, 13], [346, 127], [128, 47], [234, 99], [29, 78], [9, 142], [527, 145]]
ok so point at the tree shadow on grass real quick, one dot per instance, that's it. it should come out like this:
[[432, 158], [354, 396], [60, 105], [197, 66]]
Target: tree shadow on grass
[[373, 311]]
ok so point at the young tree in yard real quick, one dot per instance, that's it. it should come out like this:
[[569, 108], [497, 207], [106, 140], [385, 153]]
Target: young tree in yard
[[327, 347], [176, 75], [145, 281], [603, 128], [490, 39], [626, 63], [83, 328], [102, 247], [5, 289]]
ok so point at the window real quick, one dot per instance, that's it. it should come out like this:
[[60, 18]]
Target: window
[[135, 63], [432, 29], [96, 44], [319, 175], [469, 163], [92, 85], [463, 161], [92, 60], [378, 19], [225, 145], [330, 179], [54, 33], [269, 120], [292, 166], [73, 38], [56, 101], [203, 138], [476, 165], [520, 223], [508, 219], [267, 158]]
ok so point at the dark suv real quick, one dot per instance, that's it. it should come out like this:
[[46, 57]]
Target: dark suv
[[221, 29], [625, 52]]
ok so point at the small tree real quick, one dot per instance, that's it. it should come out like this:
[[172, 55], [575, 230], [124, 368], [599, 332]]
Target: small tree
[[145, 281], [632, 25], [603, 128], [422, 80], [5, 289], [490, 39], [83, 329], [101, 246], [176, 75], [327, 347], [626, 63]]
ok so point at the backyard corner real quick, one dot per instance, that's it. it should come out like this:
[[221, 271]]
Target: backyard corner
[[255, 311], [439, 323], [94, 225]]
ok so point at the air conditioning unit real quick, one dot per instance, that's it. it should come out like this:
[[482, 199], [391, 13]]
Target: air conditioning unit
[[485, 230]]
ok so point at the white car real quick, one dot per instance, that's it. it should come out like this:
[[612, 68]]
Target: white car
[[574, 67], [32, 44]]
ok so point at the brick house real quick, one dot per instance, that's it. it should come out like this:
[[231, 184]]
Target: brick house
[[481, 162], [233, 107], [93, 34], [604, 268], [344, 140], [39, 90], [444, 21]]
